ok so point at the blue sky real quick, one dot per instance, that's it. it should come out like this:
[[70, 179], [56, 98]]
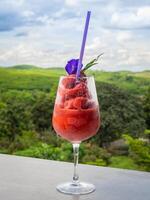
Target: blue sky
[[48, 33]]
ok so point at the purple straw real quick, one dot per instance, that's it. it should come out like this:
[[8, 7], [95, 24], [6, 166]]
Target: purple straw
[[83, 44]]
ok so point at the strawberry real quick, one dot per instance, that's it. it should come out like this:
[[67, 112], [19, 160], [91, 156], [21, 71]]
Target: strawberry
[[80, 103], [80, 90], [69, 81], [69, 104]]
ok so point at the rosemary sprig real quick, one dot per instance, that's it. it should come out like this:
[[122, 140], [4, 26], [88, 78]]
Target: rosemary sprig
[[92, 62]]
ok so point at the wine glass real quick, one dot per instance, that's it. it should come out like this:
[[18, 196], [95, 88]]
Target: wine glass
[[76, 118]]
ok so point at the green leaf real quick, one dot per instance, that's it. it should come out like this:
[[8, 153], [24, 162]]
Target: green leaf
[[92, 62]]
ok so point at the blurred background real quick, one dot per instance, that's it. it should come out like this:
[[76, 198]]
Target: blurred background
[[37, 38]]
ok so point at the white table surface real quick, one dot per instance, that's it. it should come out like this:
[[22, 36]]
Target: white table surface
[[24, 178]]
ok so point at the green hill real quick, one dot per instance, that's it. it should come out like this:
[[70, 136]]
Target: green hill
[[134, 82], [24, 66], [28, 77]]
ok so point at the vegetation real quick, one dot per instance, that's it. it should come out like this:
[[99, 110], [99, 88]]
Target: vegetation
[[123, 162], [26, 77], [27, 97], [121, 113], [139, 150], [147, 107]]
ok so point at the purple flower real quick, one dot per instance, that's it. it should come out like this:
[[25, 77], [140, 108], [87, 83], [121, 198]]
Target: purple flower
[[72, 66]]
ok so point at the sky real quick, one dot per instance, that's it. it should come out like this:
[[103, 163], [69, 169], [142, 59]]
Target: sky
[[48, 33]]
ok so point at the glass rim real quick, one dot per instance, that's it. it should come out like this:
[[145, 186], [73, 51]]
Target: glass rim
[[84, 77]]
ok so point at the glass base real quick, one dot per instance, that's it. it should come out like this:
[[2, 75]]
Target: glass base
[[80, 188]]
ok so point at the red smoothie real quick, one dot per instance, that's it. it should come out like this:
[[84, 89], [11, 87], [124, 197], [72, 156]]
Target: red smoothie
[[76, 114]]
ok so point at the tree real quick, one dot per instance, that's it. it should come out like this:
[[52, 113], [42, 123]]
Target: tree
[[146, 103], [15, 116], [42, 111], [121, 112], [139, 150]]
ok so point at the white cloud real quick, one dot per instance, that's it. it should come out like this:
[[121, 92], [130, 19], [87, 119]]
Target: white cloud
[[28, 13], [45, 19], [25, 53], [122, 50], [72, 2], [144, 13], [14, 2], [59, 13], [139, 18], [123, 36]]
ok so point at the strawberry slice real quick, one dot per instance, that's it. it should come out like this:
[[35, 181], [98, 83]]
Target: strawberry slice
[[80, 103], [69, 104], [80, 90], [69, 81]]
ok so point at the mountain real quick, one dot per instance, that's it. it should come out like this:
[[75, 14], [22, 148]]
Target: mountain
[[24, 66]]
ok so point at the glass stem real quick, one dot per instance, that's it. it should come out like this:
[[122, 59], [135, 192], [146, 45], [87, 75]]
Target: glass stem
[[76, 157]]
